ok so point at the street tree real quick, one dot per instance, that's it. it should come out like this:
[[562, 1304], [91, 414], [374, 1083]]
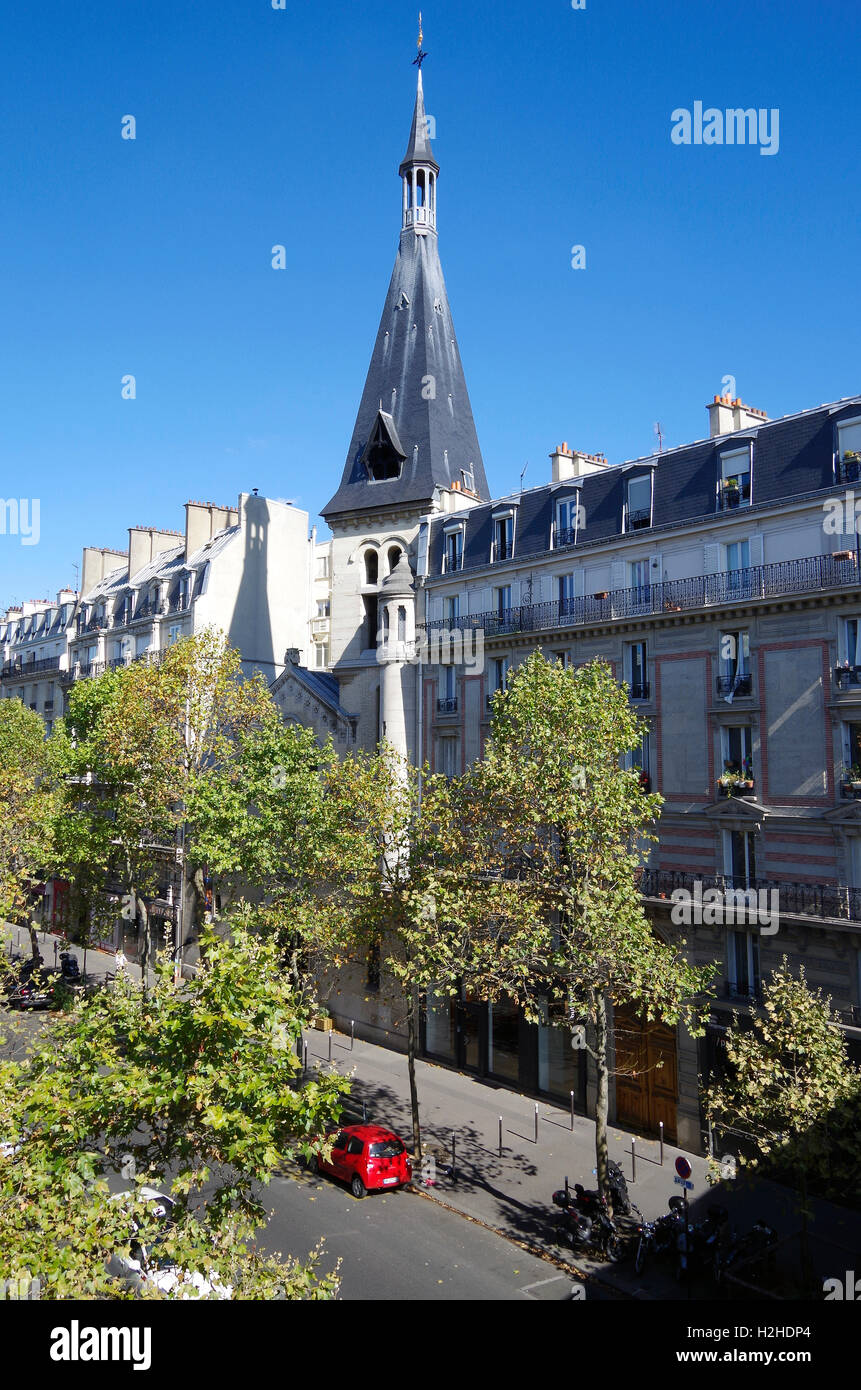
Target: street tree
[[27, 795], [570, 825], [195, 1091], [790, 1091]]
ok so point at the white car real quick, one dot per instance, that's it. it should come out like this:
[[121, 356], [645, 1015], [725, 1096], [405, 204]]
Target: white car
[[142, 1268]]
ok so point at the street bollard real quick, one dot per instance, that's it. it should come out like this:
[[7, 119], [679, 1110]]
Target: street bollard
[[661, 1127], [536, 1124], [330, 1048], [364, 1113], [500, 1136], [352, 1033], [633, 1161], [572, 1112], [305, 1059], [453, 1158]]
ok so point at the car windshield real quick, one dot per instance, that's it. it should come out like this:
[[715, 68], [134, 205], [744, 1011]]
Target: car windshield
[[387, 1148]]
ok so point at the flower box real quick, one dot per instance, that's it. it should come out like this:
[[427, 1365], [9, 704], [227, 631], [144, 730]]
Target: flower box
[[843, 555], [602, 593], [323, 1025]]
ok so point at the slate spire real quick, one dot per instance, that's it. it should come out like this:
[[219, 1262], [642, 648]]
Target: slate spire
[[415, 431]]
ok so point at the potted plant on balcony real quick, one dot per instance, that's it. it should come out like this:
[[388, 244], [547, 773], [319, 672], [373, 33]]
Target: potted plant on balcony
[[745, 781], [602, 593], [843, 555], [729, 780], [852, 777], [731, 492]]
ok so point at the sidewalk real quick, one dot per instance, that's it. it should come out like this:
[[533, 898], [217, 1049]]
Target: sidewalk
[[512, 1194]]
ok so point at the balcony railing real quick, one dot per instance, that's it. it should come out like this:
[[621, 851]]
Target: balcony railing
[[566, 535], [447, 706], [731, 497], [849, 468], [639, 521], [846, 676], [832, 900], [735, 685], [640, 690], [728, 588], [14, 670]]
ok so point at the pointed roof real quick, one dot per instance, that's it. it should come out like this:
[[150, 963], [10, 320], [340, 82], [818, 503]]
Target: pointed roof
[[419, 148], [415, 415]]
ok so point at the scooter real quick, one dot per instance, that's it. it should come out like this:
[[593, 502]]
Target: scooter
[[69, 968], [659, 1238]]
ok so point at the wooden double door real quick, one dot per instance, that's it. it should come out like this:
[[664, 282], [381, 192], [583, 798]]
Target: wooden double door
[[646, 1074]]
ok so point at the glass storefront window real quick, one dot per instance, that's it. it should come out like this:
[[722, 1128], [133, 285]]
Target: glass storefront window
[[441, 1038], [503, 1056]]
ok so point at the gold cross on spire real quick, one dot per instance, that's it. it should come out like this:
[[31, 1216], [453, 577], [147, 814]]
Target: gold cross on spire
[[417, 62]]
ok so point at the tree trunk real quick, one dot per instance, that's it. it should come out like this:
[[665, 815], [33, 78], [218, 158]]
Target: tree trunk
[[34, 944], [142, 916], [412, 1048], [602, 1101]]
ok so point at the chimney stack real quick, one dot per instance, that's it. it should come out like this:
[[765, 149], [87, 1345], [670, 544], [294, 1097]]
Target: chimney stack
[[728, 416], [203, 520], [96, 564], [568, 464], [145, 542]]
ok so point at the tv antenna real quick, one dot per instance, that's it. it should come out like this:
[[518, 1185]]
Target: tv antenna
[[523, 474], [659, 433]]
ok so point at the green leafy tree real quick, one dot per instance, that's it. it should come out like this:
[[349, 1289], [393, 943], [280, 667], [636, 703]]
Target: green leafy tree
[[791, 1091], [27, 796], [553, 803], [195, 1091]]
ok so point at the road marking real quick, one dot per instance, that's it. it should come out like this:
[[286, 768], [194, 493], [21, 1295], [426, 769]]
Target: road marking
[[554, 1279]]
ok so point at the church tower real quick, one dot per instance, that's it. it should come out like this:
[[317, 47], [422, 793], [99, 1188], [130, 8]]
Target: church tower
[[414, 451]]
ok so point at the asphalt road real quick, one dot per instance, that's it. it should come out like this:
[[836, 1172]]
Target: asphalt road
[[401, 1246]]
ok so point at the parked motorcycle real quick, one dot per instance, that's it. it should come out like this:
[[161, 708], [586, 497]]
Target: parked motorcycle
[[69, 968], [590, 1233], [657, 1239], [753, 1252], [699, 1243], [589, 1201]]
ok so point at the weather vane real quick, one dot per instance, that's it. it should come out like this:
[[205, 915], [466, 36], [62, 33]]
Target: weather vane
[[417, 62]]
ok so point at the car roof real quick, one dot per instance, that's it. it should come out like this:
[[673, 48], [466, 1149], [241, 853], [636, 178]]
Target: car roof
[[368, 1131]]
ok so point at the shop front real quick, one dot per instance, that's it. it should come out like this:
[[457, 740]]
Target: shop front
[[497, 1042]]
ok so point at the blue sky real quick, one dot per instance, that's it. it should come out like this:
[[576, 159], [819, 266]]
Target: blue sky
[[258, 126]]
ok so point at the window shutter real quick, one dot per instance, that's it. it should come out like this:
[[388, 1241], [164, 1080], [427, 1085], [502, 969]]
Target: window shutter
[[578, 582], [756, 550], [656, 568], [711, 559], [619, 575], [479, 600]]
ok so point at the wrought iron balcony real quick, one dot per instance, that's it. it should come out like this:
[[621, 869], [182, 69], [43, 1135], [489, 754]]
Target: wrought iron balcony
[[731, 497], [849, 468], [735, 685], [15, 670], [639, 521], [447, 706], [725, 589], [640, 690], [566, 535], [829, 900], [845, 677]]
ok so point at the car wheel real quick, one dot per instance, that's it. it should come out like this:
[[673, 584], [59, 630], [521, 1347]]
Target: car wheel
[[357, 1187]]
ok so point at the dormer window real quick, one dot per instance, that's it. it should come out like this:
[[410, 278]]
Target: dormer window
[[734, 479], [638, 503], [503, 536], [383, 456], [848, 464], [453, 553], [568, 517]]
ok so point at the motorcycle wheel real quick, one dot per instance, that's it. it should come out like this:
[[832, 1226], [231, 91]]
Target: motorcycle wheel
[[613, 1248]]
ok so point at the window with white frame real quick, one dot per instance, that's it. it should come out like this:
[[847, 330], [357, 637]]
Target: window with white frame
[[739, 857], [321, 654], [503, 537], [565, 593], [638, 571], [737, 751], [499, 672], [850, 642], [502, 600], [451, 606], [742, 964], [638, 757], [638, 676], [639, 503], [453, 554], [567, 521], [734, 482], [849, 441], [737, 557], [564, 658], [734, 656]]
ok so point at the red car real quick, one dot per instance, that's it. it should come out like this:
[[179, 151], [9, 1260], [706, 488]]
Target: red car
[[368, 1158]]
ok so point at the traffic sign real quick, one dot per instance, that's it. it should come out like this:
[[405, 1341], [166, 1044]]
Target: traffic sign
[[683, 1182], [683, 1168]]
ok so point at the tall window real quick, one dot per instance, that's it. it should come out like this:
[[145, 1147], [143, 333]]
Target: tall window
[[499, 673], [453, 550], [639, 503], [734, 658], [639, 572], [850, 644], [738, 750], [372, 567], [503, 538], [849, 451], [567, 521], [565, 594], [738, 565], [637, 671], [448, 751], [743, 971], [452, 608], [734, 481], [502, 600], [739, 857]]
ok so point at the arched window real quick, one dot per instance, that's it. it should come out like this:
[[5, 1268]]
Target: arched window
[[420, 189], [372, 567], [394, 557], [402, 624]]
